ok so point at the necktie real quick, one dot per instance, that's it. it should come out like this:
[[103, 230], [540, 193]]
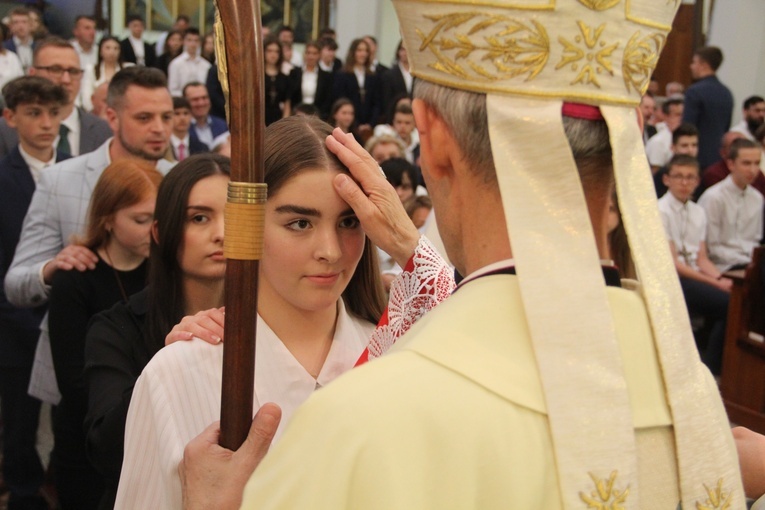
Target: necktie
[[181, 151], [63, 140]]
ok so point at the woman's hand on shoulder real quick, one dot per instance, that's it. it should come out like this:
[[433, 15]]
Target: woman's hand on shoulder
[[207, 325]]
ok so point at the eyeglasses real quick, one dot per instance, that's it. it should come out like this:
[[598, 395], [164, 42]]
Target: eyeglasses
[[684, 178], [58, 71]]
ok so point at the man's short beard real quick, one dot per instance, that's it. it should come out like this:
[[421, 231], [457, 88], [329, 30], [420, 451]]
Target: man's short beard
[[135, 151], [753, 124]]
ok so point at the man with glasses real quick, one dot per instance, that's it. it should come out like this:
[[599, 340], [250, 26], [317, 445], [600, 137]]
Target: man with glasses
[[685, 223], [80, 132]]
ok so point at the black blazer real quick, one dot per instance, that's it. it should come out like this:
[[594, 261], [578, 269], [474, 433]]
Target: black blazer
[[20, 326], [393, 85], [128, 54], [367, 111], [381, 69], [323, 97]]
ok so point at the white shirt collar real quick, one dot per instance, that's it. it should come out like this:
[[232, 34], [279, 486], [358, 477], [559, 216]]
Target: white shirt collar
[[34, 164], [674, 203], [732, 187], [73, 121], [177, 141], [18, 42], [279, 377]]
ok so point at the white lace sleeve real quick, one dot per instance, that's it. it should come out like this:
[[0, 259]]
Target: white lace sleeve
[[426, 281]]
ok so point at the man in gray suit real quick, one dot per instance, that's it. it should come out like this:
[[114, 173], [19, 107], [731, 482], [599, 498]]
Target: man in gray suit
[[140, 112], [56, 60]]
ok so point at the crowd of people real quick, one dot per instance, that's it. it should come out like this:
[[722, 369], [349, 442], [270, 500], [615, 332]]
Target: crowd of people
[[709, 180], [113, 182]]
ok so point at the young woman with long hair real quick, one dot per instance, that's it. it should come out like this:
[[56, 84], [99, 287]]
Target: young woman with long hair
[[108, 64], [357, 82], [277, 84], [319, 299], [173, 48], [122, 340], [119, 222]]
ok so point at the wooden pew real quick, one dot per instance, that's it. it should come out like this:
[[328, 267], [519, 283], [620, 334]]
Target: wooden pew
[[743, 369]]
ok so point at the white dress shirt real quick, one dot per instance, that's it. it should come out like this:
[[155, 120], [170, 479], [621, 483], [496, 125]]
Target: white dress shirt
[[184, 69], [177, 144], [73, 123], [685, 225], [743, 128], [24, 52], [659, 148], [734, 222], [87, 58], [35, 165], [330, 68], [407, 78], [361, 77], [178, 396], [308, 85], [10, 67]]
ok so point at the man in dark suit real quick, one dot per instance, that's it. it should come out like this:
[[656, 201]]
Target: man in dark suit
[[134, 48], [57, 61], [22, 42], [708, 103], [327, 59], [396, 82], [181, 144], [33, 109], [206, 128]]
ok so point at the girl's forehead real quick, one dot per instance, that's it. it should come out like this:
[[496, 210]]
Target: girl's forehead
[[308, 185]]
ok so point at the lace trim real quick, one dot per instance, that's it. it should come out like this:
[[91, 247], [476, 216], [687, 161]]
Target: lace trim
[[426, 281]]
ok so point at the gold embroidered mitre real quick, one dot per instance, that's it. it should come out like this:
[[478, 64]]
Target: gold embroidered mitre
[[587, 51], [529, 57]]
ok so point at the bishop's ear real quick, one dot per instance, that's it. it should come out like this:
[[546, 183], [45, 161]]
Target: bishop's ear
[[437, 145]]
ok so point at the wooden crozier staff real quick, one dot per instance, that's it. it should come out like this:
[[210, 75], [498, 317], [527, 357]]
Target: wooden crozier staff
[[240, 59]]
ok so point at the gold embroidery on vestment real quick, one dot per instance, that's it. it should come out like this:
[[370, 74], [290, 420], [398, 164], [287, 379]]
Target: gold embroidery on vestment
[[718, 499], [605, 496]]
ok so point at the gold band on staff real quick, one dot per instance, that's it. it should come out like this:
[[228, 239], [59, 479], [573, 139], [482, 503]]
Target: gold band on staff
[[244, 217]]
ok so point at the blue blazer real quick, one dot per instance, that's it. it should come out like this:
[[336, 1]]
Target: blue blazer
[[217, 125], [18, 326]]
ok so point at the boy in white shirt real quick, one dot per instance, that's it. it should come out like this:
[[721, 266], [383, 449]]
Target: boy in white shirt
[[685, 223], [735, 209]]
